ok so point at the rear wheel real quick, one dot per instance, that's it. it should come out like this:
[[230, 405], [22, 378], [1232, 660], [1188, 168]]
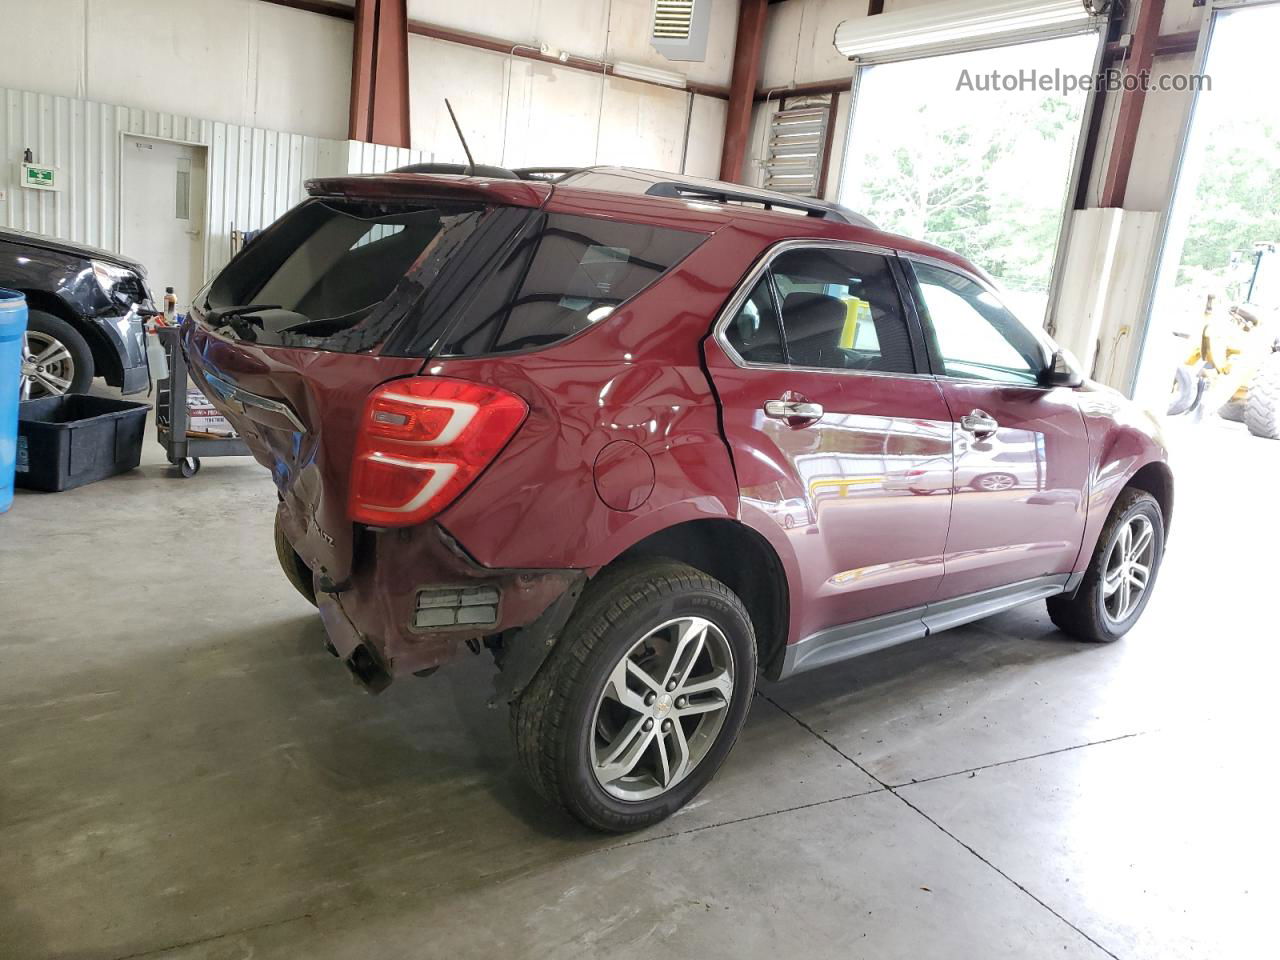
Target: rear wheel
[[1118, 582], [297, 572], [641, 699], [56, 360], [1233, 410], [1262, 411]]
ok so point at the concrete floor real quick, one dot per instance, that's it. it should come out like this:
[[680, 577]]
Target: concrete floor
[[185, 773]]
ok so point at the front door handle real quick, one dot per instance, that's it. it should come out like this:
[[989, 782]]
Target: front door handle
[[980, 423], [794, 413]]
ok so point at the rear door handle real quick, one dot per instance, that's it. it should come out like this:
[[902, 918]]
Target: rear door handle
[[980, 423], [794, 413]]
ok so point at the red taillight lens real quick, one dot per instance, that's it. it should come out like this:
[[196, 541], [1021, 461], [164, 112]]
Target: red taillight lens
[[422, 441]]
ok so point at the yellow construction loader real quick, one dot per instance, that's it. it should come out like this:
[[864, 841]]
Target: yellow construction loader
[[1233, 365]]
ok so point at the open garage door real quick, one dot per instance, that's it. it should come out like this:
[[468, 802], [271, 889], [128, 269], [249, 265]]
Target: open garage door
[[1215, 317], [965, 129]]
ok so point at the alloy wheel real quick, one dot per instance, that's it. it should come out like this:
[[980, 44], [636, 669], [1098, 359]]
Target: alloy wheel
[[48, 369], [997, 482], [1128, 568], [661, 708]]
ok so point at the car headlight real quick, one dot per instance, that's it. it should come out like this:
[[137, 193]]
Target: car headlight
[[108, 275]]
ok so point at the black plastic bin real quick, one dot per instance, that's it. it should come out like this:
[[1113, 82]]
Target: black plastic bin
[[66, 442]]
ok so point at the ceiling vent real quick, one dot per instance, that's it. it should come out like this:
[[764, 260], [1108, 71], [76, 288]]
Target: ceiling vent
[[679, 28]]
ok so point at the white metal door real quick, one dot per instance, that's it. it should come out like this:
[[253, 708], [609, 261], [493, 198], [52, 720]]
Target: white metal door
[[163, 213]]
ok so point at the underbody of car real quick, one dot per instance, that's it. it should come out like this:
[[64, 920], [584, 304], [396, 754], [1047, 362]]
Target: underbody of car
[[519, 415]]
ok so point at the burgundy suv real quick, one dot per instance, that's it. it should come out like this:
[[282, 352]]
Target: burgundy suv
[[642, 436]]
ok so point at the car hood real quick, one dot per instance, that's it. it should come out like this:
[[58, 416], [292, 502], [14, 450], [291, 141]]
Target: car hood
[[73, 249]]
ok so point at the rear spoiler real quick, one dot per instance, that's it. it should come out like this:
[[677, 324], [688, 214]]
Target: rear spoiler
[[413, 186]]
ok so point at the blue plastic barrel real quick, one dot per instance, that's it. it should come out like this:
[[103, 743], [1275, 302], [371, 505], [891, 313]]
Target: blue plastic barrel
[[13, 324]]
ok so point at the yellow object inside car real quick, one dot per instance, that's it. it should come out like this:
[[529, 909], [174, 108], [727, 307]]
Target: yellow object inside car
[[857, 312]]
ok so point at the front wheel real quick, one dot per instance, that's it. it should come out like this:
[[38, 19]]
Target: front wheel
[[1118, 582], [642, 698], [1184, 393], [56, 360]]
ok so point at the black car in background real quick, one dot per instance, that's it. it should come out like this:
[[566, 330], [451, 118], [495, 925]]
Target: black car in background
[[86, 308]]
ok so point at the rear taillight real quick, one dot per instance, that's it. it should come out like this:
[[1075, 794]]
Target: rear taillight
[[422, 441]]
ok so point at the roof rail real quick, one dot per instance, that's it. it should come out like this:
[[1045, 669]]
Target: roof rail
[[460, 169], [766, 198], [545, 174]]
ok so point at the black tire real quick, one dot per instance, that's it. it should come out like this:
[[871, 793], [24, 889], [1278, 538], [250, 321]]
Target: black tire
[[1083, 615], [553, 720], [294, 569], [1262, 411], [55, 328], [1233, 410], [1183, 396]]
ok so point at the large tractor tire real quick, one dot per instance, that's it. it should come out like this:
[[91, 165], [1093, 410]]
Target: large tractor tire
[[1185, 392], [1262, 414], [1233, 410]]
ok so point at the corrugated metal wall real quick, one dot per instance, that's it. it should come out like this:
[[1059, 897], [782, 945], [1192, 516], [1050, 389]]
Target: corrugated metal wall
[[254, 175], [376, 158]]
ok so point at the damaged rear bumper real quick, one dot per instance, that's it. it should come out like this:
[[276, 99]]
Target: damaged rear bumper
[[414, 597]]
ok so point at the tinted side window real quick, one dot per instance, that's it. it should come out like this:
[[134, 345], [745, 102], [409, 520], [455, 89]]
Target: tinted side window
[[567, 275], [840, 309], [754, 331], [973, 334]]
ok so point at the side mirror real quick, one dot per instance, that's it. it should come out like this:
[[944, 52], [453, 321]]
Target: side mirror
[[1063, 370]]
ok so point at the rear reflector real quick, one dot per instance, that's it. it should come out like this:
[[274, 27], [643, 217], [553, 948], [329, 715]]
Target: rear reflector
[[457, 606], [422, 441]]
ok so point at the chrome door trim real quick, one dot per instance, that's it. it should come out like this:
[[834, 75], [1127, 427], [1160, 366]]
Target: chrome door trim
[[745, 286], [850, 640]]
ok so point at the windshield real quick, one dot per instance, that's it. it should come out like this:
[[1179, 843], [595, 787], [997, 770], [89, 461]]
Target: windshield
[[324, 276]]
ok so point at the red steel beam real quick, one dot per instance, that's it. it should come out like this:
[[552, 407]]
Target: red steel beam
[[1167, 45], [380, 73], [752, 15], [1146, 36]]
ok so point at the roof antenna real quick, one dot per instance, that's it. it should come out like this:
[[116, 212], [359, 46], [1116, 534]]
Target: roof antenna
[[471, 163]]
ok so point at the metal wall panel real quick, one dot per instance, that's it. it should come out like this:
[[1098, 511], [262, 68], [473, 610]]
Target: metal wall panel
[[376, 158], [254, 175]]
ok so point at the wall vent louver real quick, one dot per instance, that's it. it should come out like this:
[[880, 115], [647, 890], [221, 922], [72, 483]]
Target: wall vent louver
[[678, 28]]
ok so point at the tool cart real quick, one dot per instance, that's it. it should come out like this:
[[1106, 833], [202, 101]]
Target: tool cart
[[182, 445]]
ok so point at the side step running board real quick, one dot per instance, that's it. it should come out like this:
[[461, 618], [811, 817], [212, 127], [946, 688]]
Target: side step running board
[[876, 633]]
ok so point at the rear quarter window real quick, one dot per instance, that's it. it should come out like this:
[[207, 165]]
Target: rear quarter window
[[565, 274], [342, 275]]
